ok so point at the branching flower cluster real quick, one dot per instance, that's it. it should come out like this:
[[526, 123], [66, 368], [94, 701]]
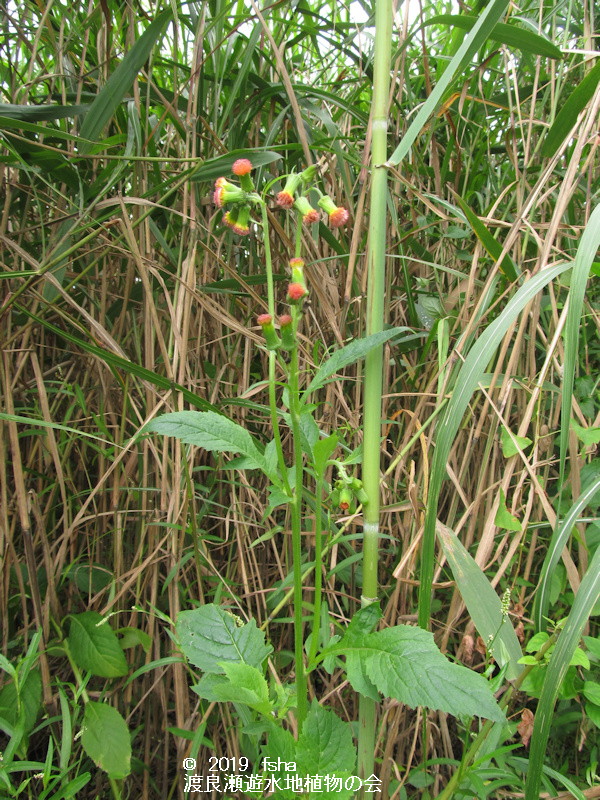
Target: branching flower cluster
[[237, 201]]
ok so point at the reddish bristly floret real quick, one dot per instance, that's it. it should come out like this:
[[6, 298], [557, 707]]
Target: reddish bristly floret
[[242, 166], [264, 319], [311, 217], [338, 217], [296, 291], [296, 263], [284, 199], [284, 320]]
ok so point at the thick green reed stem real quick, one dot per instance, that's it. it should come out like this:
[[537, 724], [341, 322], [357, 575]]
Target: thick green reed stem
[[374, 362]]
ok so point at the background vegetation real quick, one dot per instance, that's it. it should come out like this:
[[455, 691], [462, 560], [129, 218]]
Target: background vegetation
[[123, 296]]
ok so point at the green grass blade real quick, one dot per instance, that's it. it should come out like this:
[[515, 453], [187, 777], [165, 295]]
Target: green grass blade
[[113, 360], [557, 544], [586, 252], [567, 116], [482, 602], [508, 34], [40, 113], [472, 42], [586, 598], [471, 373], [111, 95], [494, 248]]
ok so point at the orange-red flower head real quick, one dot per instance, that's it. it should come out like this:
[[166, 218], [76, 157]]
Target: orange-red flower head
[[284, 199], [241, 167], [338, 215], [296, 291]]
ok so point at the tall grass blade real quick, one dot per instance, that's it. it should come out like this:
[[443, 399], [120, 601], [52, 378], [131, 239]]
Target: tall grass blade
[[567, 116], [586, 252], [469, 376], [112, 94], [482, 602], [472, 42], [558, 542], [586, 598]]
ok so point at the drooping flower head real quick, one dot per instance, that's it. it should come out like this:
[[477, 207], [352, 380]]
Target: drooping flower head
[[338, 215], [241, 225], [285, 198], [226, 192], [310, 215]]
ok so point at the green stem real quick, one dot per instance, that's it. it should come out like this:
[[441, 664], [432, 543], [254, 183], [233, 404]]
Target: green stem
[[373, 381], [294, 394], [272, 354], [314, 639]]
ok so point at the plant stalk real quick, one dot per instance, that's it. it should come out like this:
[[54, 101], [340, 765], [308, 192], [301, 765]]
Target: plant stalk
[[373, 380]]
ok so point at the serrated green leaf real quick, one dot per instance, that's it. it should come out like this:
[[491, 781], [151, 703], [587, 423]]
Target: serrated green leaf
[[349, 354], [241, 683], [589, 436], [482, 602], [536, 642], [593, 645], [511, 443], [211, 431], [325, 745], [211, 636], [132, 637], [95, 647], [404, 663], [504, 519], [106, 739], [112, 94]]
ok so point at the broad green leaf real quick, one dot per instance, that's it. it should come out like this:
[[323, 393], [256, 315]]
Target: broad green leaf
[[111, 95], [579, 659], [479, 33], [132, 637], [322, 451], [568, 640], [469, 375], [30, 698], [241, 683], [493, 246], [210, 431], [505, 33], [405, 663], [325, 745], [361, 623], [589, 436], [349, 354], [570, 110], [106, 739], [504, 519], [211, 635], [482, 602], [593, 712], [95, 647], [555, 549], [593, 645], [591, 690], [512, 443]]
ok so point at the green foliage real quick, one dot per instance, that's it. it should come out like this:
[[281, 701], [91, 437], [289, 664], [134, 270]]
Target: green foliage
[[95, 647], [105, 739]]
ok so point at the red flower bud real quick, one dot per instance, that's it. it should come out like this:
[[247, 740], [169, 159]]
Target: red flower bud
[[296, 291]]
